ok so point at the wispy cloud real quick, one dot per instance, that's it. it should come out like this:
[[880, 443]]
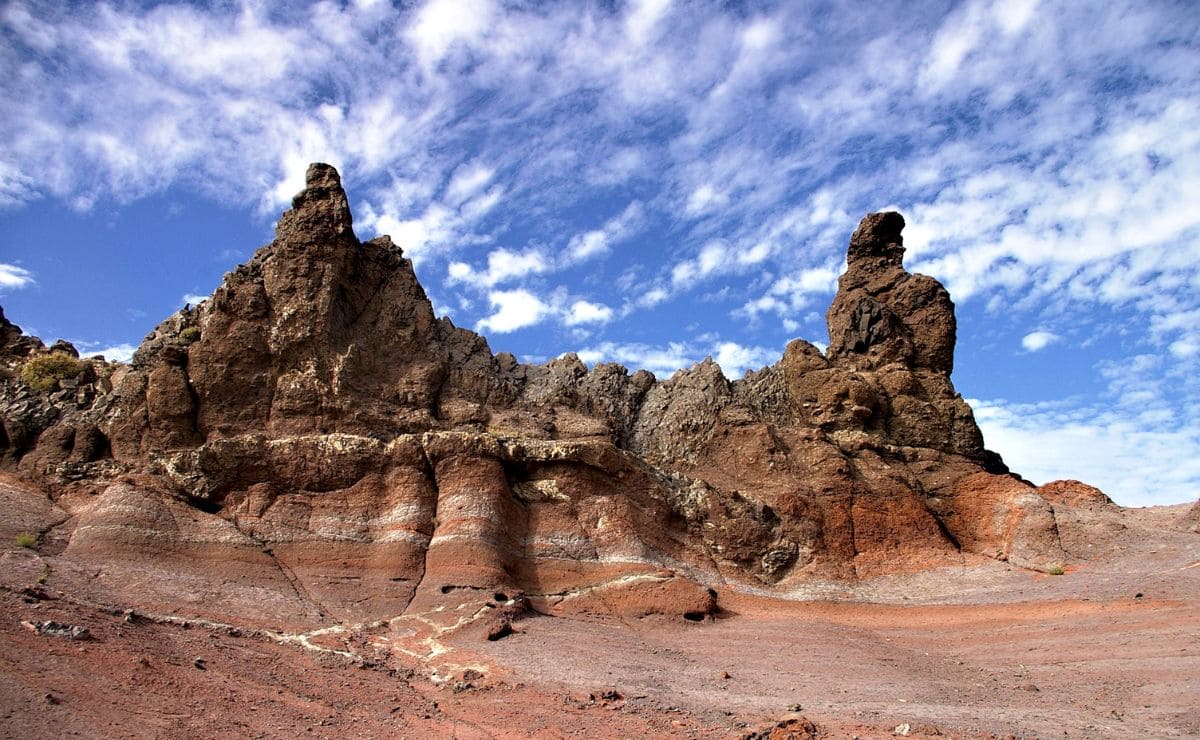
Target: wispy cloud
[[1037, 340], [662, 160], [512, 310], [12, 276], [118, 352], [664, 360]]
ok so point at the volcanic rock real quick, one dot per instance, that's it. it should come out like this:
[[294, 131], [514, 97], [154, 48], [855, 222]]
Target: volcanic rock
[[313, 440]]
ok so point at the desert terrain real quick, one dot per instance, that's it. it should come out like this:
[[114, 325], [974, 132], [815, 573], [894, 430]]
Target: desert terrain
[[1111, 648]]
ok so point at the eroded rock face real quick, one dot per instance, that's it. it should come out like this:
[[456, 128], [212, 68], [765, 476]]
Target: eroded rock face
[[314, 418], [882, 314]]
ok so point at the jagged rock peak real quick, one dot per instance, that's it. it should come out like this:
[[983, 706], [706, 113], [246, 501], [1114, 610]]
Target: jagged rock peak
[[882, 313], [320, 211], [878, 236]]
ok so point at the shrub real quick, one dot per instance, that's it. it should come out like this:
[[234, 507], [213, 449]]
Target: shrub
[[189, 335], [43, 372], [1055, 570], [27, 539]]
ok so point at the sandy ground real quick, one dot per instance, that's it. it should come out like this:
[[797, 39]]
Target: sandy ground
[[1110, 649]]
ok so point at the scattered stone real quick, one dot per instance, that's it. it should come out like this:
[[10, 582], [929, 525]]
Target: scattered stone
[[58, 629], [200, 664], [35, 593], [789, 728]]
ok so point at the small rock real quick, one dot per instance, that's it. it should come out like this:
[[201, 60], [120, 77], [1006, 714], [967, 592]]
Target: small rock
[[903, 730], [58, 629], [792, 728], [50, 698], [200, 663], [725, 675], [499, 631]]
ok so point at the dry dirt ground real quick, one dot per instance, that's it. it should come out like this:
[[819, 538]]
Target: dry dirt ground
[[1109, 649]]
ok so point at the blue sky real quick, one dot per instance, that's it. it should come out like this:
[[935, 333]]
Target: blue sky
[[652, 183]]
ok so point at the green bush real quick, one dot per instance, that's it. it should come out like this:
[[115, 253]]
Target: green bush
[[189, 335], [1055, 570], [27, 539], [43, 372]]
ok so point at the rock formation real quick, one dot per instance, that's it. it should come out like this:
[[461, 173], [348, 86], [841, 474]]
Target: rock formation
[[314, 429]]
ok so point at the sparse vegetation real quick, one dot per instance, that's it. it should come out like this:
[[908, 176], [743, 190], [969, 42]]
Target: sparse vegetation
[[1055, 570], [43, 373], [27, 539], [503, 432], [189, 335]]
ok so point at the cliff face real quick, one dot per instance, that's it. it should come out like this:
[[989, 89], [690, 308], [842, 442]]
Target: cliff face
[[315, 419]]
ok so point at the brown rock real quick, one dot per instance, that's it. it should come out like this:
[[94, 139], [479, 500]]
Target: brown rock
[[312, 431], [1074, 493], [883, 314]]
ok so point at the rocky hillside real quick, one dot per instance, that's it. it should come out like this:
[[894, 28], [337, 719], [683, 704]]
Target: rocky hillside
[[313, 445]]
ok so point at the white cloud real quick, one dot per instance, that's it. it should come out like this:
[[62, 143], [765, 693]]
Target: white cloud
[[512, 310], [589, 244], [1037, 340], [193, 299], [440, 24], [664, 360], [736, 359], [1185, 348], [1134, 463], [12, 276], [643, 17], [585, 312], [438, 226], [789, 294], [712, 257], [961, 33], [503, 265], [117, 352], [467, 181], [703, 198]]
